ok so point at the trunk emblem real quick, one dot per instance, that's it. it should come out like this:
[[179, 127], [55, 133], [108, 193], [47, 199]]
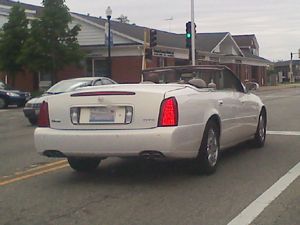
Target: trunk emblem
[[100, 99]]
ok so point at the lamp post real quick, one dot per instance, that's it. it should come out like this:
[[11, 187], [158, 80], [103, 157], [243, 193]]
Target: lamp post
[[108, 13]]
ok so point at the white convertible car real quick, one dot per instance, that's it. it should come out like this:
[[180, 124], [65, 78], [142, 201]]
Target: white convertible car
[[176, 112]]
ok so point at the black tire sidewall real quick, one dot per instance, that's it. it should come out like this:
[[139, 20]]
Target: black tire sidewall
[[202, 162], [258, 142], [5, 103]]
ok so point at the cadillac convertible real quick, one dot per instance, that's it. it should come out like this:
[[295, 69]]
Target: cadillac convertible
[[189, 112]]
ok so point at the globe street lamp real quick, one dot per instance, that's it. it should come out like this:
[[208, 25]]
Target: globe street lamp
[[108, 13]]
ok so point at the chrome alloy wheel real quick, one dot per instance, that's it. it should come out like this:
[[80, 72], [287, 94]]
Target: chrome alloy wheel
[[262, 128], [212, 147]]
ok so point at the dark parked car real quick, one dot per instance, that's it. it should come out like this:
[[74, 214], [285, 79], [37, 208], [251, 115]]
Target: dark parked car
[[32, 107], [8, 96]]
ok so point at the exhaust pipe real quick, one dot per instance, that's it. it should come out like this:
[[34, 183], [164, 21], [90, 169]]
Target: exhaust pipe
[[151, 155], [54, 154]]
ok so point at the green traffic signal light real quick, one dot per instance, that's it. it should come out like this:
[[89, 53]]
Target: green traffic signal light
[[188, 35]]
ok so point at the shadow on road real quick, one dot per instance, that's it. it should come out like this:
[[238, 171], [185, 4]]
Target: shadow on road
[[141, 171]]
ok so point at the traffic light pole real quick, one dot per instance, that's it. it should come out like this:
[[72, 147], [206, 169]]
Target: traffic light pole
[[193, 33]]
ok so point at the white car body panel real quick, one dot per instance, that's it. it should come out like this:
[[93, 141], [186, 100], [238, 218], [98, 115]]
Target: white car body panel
[[238, 113]]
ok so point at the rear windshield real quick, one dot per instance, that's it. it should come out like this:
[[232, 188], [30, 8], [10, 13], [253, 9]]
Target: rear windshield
[[68, 85]]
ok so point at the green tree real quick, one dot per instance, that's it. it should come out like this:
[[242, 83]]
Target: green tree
[[52, 44], [12, 37]]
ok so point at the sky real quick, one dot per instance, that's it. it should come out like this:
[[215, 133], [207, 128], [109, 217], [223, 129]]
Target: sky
[[276, 23]]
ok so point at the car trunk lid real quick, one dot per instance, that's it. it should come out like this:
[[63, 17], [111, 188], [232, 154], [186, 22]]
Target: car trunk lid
[[135, 106]]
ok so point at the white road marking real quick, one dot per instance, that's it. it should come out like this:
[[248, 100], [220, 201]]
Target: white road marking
[[3, 110], [257, 206], [287, 133]]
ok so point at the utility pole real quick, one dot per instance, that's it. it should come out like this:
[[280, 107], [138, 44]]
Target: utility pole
[[291, 75], [291, 68], [193, 33]]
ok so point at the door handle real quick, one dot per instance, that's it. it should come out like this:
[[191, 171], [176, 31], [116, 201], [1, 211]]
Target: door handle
[[220, 102]]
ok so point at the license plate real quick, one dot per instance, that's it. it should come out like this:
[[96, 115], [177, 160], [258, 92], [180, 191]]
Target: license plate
[[102, 115]]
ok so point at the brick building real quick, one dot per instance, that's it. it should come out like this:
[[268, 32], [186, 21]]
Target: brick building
[[127, 51]]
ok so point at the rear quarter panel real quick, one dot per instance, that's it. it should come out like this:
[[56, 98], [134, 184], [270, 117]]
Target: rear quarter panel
[[194, 108]]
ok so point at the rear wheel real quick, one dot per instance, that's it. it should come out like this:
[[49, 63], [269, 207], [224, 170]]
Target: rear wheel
[[33, 121], [208, 155], [22, 104], [83, 164], [260, 135], [3, 103]]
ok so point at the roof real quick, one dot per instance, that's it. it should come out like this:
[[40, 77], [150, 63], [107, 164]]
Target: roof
[[26, 6], [204, 41], [245, 40], [286, 63], [250, 55]]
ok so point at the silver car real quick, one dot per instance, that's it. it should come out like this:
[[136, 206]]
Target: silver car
[[32, 107]]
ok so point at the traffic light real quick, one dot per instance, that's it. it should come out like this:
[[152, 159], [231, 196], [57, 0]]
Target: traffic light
[[153, 38], [188, 34]]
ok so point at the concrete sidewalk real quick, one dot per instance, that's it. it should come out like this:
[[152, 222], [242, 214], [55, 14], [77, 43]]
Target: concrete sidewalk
[[278, 87]]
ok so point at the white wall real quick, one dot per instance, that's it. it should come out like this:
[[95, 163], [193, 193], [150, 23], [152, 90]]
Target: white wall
[[92, 35]]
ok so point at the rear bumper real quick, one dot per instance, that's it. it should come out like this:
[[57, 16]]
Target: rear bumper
[[175, 142]]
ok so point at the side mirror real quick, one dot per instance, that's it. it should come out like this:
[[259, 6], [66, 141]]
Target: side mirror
[[251, 86]]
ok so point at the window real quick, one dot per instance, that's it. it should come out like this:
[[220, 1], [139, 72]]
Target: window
[[106, 82], [96, 67]]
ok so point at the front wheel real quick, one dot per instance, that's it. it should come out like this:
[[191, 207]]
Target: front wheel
[[3, 103], [208, 155], [260, 135], [83, 164]]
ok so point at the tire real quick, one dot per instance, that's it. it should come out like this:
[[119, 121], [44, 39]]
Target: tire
[[207, 159], [33, 121], [260, 135], [83, 164], [21, 104], [3, 103]]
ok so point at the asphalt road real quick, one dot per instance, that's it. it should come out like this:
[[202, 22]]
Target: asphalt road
[[35, 190]]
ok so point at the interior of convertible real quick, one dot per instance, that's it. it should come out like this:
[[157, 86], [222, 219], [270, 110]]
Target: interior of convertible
[[213, 78]]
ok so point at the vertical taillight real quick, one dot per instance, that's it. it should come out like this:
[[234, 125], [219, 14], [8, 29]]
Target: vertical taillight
[[168, 113], [44, 115]]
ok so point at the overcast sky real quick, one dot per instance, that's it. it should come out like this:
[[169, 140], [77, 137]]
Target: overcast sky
[[276, 23]]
